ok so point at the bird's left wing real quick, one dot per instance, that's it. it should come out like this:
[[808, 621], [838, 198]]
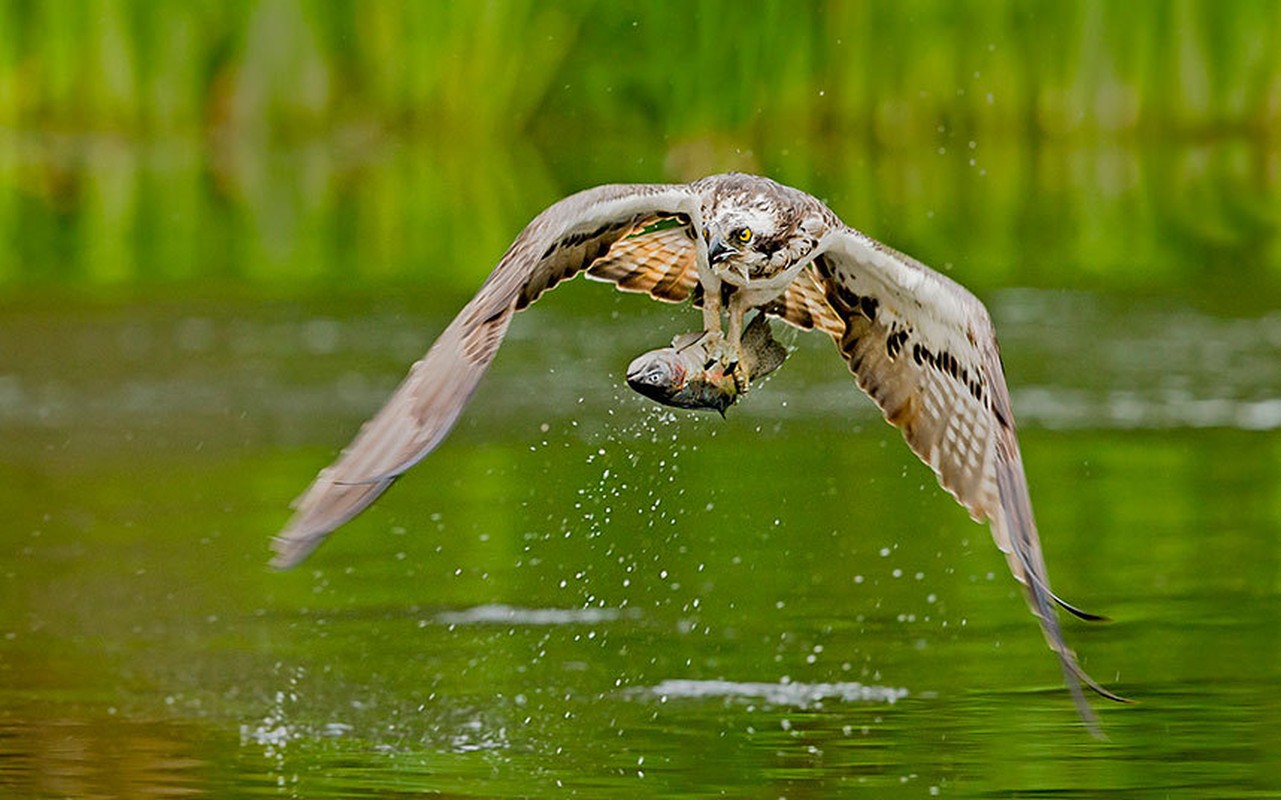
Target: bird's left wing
[[924, 349], [642, 237]]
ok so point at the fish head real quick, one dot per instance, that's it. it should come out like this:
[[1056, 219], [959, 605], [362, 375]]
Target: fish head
[[658, 374], [683, 378]]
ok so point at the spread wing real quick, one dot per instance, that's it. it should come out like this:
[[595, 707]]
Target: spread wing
[[641, 237], [804, 305], [924, 349]]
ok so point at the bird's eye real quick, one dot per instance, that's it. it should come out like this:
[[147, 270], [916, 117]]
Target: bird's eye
[[743, 235]]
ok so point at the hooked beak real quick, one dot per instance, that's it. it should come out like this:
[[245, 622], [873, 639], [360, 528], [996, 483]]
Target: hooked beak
[[718, 251]]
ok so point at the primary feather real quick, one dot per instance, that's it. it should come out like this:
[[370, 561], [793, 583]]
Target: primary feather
[[919, 344]]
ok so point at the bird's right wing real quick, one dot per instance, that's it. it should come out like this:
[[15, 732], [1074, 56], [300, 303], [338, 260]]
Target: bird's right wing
[[924, 349], [643, 237], [804, 305]]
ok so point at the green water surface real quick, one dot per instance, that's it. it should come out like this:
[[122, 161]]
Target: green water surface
[[219, 258], [582, 593]]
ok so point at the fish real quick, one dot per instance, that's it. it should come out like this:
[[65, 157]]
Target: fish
[[696, 373]]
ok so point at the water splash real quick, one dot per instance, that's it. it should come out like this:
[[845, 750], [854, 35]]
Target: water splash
[[501, 614], [797, 695]]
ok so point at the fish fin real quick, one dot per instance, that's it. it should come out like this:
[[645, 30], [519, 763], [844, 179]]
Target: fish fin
[[762, 352], [684, 340]]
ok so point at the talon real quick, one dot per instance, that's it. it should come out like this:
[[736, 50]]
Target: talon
[[718, 349], [742, 380]]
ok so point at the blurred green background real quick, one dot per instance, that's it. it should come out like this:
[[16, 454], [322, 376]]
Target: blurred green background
[[1099, 143], [227, 228]]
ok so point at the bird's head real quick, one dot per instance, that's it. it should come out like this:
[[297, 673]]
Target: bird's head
[[754, 230], [741, 243]]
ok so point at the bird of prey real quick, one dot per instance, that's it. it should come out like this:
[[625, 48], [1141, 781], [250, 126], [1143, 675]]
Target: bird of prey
[[918, 343]]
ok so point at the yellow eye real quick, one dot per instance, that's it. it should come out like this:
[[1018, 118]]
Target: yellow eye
[[743, 235]]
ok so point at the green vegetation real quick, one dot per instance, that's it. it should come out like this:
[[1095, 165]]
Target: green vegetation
[[227, 228], [884, 70], [296, 141]]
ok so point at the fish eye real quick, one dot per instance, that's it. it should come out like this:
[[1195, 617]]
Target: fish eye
[[742, 235]]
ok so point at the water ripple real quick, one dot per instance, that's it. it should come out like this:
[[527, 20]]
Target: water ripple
[[501, 614], [798, 695], [1075, 361]]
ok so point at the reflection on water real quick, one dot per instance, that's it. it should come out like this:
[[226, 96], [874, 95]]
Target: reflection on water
[[227, 229], [79, 757], [817, 614], [1112, 362], [582, 593], [1078, 360], [334, 211]]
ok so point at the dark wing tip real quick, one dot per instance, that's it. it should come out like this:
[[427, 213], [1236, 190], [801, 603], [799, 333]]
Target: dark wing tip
[[1077, 612], [1093, 685], [1110, 695], [1076, 678]]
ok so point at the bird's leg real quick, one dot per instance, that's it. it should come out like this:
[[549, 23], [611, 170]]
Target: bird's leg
[[712, 305], [727, 347], [712, 318], [738, 308]]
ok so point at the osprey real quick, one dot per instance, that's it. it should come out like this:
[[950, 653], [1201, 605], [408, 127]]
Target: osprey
[[918, 343]]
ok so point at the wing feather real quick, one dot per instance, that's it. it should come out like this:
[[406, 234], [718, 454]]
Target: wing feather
[[804, 305], [613, 226], [924, 349], [661, 262]]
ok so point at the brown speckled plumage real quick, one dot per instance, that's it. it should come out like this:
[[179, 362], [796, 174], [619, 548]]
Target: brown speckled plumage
[[920, 345]]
